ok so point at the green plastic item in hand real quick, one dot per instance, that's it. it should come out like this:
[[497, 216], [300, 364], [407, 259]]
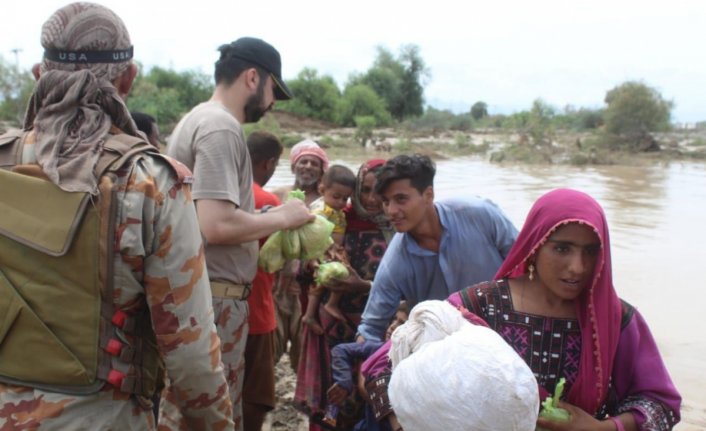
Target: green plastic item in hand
[[271, 258], [331, 271], [291, 246], [307, 242], [315, 238], [296, 194], [551, 409]]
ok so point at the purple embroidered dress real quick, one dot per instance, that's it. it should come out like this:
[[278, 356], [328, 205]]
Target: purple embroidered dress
[[552, 347]]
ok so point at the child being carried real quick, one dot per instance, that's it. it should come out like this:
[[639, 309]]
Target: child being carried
[[336, 187]]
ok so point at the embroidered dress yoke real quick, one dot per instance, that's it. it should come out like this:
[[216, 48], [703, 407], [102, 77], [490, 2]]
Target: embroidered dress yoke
[[550, 346]]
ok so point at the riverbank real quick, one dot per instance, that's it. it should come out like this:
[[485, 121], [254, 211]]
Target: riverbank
[[494, 145]]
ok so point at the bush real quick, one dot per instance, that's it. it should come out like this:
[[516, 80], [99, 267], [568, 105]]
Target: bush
[[634, 111], [539, 122], [364, 128], [288, 141], [479, 110], [404, 145], [437, 119]]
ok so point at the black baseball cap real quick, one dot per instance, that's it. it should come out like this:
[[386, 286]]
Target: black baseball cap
[[264, 55]]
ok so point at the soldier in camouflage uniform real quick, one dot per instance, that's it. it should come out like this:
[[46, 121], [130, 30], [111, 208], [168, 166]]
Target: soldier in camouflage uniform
[[210, 141], [159, 264]]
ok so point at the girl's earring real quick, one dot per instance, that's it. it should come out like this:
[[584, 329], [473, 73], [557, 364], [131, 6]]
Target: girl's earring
[[531, 271]]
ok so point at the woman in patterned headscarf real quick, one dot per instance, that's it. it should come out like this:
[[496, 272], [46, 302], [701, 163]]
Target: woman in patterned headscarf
[[554, 302], [365, 241]]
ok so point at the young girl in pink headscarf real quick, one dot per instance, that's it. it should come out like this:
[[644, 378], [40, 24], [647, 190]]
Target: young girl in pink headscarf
[[554, 302]]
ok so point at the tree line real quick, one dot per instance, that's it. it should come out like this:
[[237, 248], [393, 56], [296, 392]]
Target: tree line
[[390, 92]]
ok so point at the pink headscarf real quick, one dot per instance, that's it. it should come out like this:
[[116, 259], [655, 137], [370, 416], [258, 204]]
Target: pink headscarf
[[598, 308], [308, 147]]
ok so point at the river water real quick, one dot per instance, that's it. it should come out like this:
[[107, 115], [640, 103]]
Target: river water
[[658, 243]]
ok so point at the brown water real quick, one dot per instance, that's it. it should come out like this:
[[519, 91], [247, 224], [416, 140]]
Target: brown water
[[658, 244]]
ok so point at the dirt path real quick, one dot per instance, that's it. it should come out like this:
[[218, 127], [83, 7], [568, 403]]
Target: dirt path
[[285, 416]]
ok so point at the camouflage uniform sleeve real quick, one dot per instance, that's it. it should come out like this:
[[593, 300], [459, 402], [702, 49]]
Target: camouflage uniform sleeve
[[179, 298]]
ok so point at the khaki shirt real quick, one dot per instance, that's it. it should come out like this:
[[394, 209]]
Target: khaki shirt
[[210, 142]]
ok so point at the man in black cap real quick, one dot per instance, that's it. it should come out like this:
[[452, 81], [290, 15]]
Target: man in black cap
[[209, 140]]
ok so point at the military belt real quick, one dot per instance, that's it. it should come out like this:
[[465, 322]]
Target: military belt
[[221, 289]]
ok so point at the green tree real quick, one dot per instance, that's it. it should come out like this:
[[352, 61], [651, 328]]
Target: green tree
[[635, 109], [163, 104], [167, 94], [385, 81], [15, 90], [415, 73], [191, 86], [314, 96], [479, 110], [360, 100], [539, 122], [399, 81]]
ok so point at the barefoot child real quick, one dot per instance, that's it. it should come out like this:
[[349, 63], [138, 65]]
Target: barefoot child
[[343, 358], [335, 188]]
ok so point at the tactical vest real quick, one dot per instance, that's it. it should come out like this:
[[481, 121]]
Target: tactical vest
[[59, 327]]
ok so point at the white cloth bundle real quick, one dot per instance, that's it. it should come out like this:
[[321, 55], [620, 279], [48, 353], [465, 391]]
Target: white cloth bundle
[[451, 375]]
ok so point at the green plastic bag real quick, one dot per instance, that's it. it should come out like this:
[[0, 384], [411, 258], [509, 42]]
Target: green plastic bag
[[296, 194], [271, 258], [551, 409], [331, 271], [291, 246], [315, 238], [307, 242]]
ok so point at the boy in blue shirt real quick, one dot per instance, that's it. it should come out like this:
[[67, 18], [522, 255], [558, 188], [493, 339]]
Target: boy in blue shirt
[[439, 248]]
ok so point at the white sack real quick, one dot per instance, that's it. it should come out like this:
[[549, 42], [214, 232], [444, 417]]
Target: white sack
[[428, 321], [470, 380]]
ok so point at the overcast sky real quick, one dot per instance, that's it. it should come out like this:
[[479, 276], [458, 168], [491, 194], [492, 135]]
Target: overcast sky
[[504, 52]]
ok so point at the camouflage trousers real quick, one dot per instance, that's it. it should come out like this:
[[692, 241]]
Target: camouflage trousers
[[231, 318], [232, 326], [33, 409]]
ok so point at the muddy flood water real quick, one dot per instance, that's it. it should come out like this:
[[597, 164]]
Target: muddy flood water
[[658, 236]]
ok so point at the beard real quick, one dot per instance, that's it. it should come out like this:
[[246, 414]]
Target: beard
[[253, 106], [307, 182]]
